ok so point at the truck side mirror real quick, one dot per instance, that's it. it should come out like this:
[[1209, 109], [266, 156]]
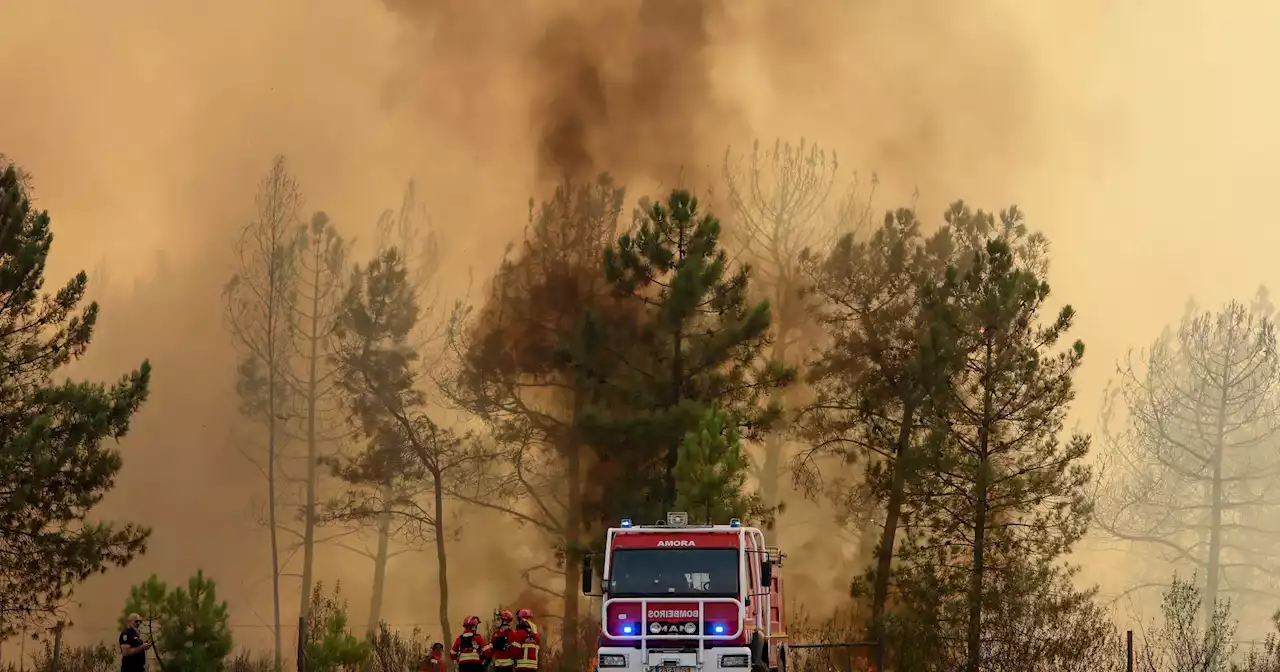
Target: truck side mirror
[[587, 575], [766, 573]]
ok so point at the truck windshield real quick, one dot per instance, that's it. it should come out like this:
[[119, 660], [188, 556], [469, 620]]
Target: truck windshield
[[662, 572]]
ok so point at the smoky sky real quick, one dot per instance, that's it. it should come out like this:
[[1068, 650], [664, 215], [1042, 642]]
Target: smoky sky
[[1139, 136]]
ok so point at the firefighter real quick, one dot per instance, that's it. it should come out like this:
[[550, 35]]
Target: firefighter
[[434, 662], [469, 647], [499, 649], [526, 641]]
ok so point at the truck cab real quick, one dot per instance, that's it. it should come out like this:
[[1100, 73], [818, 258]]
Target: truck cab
[[686, 598]]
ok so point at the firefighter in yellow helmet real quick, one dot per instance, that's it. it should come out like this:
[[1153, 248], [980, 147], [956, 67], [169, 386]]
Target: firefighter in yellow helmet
[[526, 641]]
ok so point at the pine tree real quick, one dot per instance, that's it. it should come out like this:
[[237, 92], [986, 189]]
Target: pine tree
[[260, 299], [697, 342], [1004, 488], [383, 375], [320, 267], [190, 627], [711, 474], [779, 198], [1195, 464], [511, 376], [874, 381], [55, 464], [330, 645]]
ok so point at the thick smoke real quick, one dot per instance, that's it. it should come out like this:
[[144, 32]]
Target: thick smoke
[[146, 126], [624, 86]]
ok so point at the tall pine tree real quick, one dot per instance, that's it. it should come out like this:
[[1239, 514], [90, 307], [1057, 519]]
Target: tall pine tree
[[510, 376], [874, 381], [1006, 497], [697, 341], [409, 461], [55, 464]]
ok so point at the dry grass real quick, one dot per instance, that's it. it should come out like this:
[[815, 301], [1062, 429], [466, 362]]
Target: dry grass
[[845, 626]]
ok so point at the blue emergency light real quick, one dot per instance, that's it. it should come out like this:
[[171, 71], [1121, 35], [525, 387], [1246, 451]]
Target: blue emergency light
[[626, 522], [734, 522], [718, 629], [626, 629]]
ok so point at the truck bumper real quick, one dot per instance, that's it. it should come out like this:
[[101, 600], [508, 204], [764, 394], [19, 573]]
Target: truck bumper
[[718, 659]]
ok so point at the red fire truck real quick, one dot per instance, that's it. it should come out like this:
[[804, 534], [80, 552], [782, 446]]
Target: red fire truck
[[688, 598]]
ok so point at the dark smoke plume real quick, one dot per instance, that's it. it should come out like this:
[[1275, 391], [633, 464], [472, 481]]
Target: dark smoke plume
[[623, 86]]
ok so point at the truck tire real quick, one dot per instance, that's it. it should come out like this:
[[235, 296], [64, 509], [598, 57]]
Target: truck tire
[[759, 654]]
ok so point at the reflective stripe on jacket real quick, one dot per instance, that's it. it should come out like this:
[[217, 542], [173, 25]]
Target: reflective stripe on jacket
[[527, 642], [504, 657], [467, 648]]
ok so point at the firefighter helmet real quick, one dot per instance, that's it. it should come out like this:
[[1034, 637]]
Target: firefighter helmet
[[470, 622], [504, 615], [524, 614]]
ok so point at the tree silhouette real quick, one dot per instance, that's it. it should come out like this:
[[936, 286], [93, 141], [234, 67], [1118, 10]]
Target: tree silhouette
[[260, 300], [1192, 474], [780, 200], [55, 463], [410, 461], [1005, 496], [875, 379], [510, 373], [697, 341]]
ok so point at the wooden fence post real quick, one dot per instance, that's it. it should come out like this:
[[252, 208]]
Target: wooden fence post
[[1128, 651]]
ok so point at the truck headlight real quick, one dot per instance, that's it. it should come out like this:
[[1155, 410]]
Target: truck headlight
[[613, 660], [736, 660]]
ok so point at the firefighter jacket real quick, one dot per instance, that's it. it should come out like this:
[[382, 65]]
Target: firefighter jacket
[[433, 664], [467, 648], [526, 641], [500, 648]]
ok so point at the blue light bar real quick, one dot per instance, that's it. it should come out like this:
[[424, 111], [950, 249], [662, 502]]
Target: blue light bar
[[626, 522], [734, 522]]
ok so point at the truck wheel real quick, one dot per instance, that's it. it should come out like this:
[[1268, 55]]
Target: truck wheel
[[759, 654]]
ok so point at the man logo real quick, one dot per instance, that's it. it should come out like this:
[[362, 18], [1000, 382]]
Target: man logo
[[680, 543]]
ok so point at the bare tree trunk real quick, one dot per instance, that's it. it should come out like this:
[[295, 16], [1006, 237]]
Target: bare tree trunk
[[573, 553], [271, 518], [980, 521], [774, 445], [379, 570], [442, 564], [57, 647], [1213, 568], [770, 474], [893, 511], [309, 514]]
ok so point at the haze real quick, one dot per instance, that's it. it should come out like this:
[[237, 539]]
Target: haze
[[1142, 137]]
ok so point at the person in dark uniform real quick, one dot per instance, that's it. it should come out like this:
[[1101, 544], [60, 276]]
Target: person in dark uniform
[[133, 651]]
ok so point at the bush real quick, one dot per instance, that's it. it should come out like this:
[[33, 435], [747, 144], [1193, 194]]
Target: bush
[[587, 639], [841, 627], [330, 647], [92, 658], [394, 652], [189, 624], [247, 662]]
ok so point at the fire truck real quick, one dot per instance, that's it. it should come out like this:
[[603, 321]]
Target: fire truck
[[688, 598]]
